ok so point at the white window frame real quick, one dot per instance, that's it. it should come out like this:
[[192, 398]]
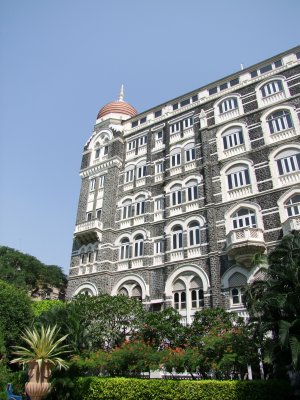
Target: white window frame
[[92, 184], [127, 210], [181, 304], [101, 181], [159, 204], [192, 193], [177, 238], [125, 250], [279, 123], [159, 246], [176, 159], [131, 145], [232, 137], [228, 104], [176, 196], [289, 163], [141, 171], [248, 220], [188, 122], [271, 87], [198, 302], [190, 154], [142, 141], [159, 167], [194, 234], [238, 178], [292, 208], [139, 207], [129, 175], [138, 245], [175, 127]]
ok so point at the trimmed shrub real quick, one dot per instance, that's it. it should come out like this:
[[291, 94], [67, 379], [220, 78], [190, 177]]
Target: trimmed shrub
[[94, 388]]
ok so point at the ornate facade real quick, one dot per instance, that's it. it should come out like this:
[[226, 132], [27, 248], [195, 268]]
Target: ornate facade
[[175, 201]]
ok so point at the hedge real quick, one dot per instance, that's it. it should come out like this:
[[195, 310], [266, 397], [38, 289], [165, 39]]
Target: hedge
[[95, 388]]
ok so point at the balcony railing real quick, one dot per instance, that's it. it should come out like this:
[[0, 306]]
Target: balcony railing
[[89, 225], [291, 224]]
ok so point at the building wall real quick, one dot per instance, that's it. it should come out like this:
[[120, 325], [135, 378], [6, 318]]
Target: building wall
[[218, 140]]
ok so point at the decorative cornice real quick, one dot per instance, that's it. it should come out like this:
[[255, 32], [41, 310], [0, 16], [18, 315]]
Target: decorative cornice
[[115, 162]]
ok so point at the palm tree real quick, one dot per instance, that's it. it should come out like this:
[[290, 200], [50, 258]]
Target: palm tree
[[274, 304], [42, 354]]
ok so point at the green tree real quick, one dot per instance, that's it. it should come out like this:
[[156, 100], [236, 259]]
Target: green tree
[[274, 305], [15, 312], [27, 272], [163, 328]]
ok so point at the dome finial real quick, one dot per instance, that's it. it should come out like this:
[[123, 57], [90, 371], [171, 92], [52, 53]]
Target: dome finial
[[121, 96]]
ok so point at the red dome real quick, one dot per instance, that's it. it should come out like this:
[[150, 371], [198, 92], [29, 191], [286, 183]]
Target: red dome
[[117, 107]]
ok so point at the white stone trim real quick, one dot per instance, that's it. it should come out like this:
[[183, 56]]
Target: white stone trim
[[276, 178], [89, 286], [135, 278]]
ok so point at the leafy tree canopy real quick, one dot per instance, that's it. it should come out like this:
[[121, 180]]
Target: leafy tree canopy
[[15, 312], [27, 272]]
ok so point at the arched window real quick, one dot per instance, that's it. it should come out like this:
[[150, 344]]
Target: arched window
[[140, 205], [279, 121], [177, 237], [232, 137], [197, 295], [228, 104], [238, 176], [123, 292], [175, 157], [126, 209], [176, 195], [194, 233], [138, 246], [192, 190], [125, 249], [137, 292], [271, 88], [244, 218], [141, 169], [190, 153], [292, 205], [288, 161], [237, 282], [179, 295], [129, 173]]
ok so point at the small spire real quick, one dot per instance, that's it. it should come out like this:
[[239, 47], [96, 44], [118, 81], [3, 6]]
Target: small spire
[[121, 96]]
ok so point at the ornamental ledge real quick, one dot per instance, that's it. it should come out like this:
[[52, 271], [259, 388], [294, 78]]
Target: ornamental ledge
[[98, 168]]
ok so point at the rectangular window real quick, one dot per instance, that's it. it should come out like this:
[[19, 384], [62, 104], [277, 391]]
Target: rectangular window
[[190, 155], [237, 179], [233, 139], [129, 175], [235, 81], [213, 90], [141, 171], [159, 135], [195, 98], [175, 106], [278, 63], [159, 167], [142, 140], [89, 216], [140, 208], [175, 159], [187, 122], [175, 127], [127, 211], [159, 204], [266, 68], [143, 120], [92, 184], [134, 124], [253, 74], [192, 193], [176, 198], [98, 213], [131, 145], [157, 114], [105, 150], [101, 181], [97, 153], [224, 86], [184, 102], [159, 247]]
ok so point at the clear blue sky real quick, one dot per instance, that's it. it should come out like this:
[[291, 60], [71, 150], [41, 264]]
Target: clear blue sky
[[62, 60]]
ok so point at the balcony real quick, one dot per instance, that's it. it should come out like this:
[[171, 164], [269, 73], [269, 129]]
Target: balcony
[[242, 244], [89, 231], [291, 224]]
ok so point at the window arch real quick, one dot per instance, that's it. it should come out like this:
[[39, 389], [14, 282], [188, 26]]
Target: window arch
[[190, 152], [192, 190], [138, 245], [244, 217], [125, 249], [175, 155], [271, 91], [176, 194], [272, 87], [278, 124], [227, 108], [194, 233], [232, 137], [279, 121], [287, 165], [292, 205], [238, 176], [127, 209], [177, 237]]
